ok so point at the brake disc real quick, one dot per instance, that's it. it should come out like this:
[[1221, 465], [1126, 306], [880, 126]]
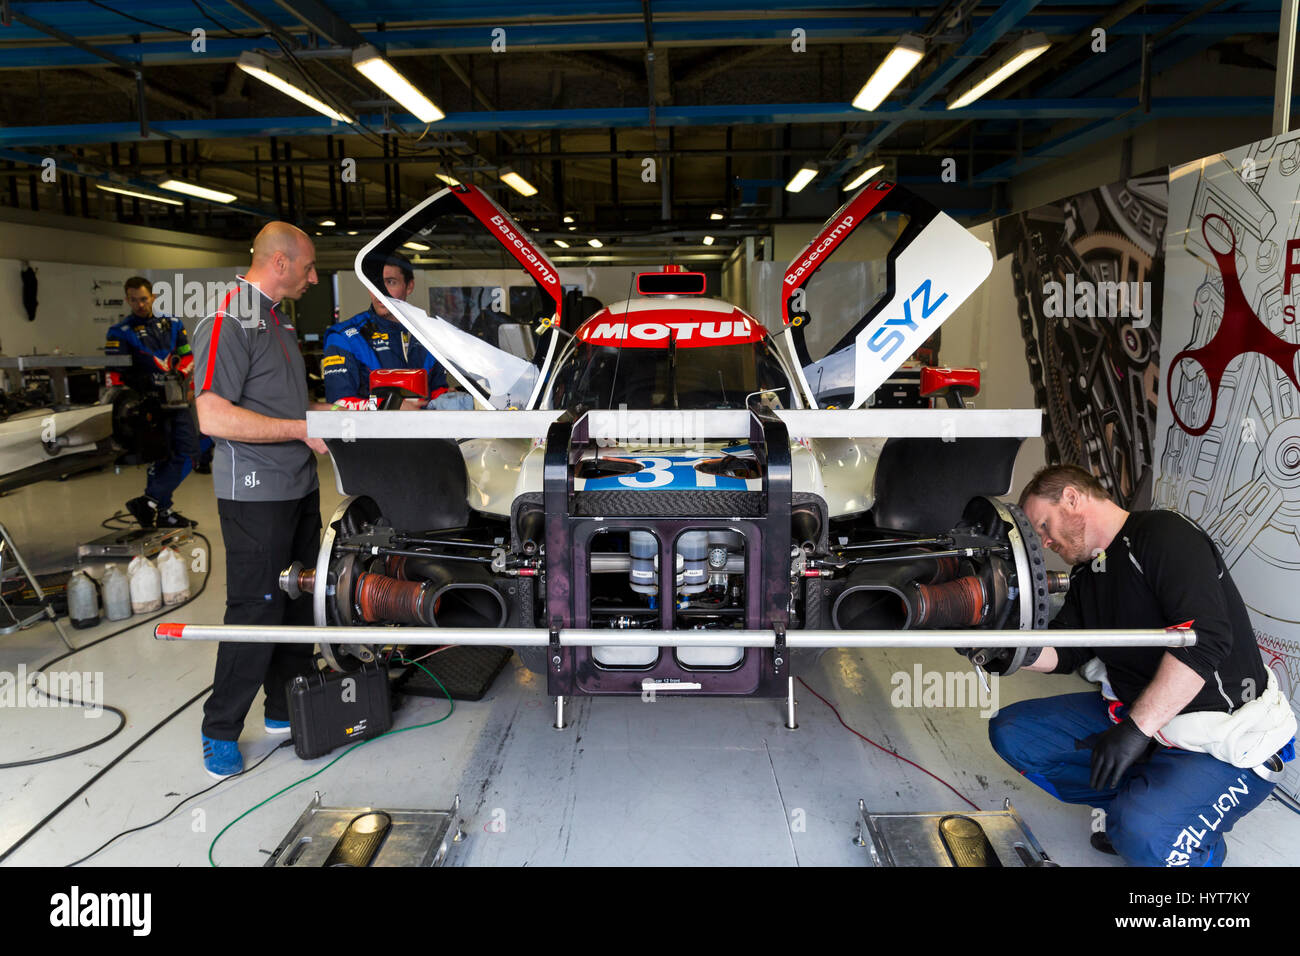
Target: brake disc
[[1008, 523], [352, 513]]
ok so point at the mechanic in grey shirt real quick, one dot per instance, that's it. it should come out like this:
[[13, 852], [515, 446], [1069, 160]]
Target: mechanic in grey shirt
[[251, 390]]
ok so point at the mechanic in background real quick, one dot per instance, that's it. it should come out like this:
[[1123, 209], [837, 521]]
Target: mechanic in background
[[1199, 735], [159, 352], [375, 339]]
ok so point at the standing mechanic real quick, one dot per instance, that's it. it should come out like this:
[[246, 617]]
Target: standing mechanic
[[1199, 734], [252, 398], [160, 358], [374, 339]]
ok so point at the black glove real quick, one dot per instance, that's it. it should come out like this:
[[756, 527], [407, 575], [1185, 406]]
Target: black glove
[[1114, 751]]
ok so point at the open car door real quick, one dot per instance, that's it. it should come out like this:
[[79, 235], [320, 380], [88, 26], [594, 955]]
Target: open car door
[[484, 235], [848, 337]]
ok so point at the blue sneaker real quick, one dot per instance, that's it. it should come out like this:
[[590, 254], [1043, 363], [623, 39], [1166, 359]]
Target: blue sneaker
[[221, 758], [276, 726]]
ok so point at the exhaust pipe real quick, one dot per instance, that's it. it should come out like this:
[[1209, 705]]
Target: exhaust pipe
[[917, 594], [426, 591]]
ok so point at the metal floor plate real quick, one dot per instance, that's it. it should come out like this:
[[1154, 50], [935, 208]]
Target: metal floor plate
[[914, 839], [415, 837]]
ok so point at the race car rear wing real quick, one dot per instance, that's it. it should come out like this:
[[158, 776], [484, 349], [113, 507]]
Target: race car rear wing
[[673, 426]]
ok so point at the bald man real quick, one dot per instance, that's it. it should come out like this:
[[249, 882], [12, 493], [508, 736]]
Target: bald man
[[251, 396]]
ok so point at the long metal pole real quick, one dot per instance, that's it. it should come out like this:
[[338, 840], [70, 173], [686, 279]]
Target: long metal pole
[[1285, 68], [540, 637]]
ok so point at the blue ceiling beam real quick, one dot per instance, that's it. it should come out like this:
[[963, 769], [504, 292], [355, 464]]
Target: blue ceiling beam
[[1096, 79], [630, 117], [1091, 80], [85, 20], [1093, 133], [536, 36]]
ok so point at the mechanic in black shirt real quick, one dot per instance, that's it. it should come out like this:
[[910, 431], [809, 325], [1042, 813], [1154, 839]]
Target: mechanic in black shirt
[[1199, 734]]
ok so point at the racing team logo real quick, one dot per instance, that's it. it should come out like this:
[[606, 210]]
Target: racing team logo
[[686, 329]]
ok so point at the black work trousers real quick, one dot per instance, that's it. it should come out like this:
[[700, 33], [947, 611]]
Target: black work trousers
[[262, 538]]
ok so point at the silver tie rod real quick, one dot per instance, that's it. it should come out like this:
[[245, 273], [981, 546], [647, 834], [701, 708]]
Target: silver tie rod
[[576, 637]]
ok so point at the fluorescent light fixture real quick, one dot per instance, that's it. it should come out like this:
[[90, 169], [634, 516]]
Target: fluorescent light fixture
[[864, 176], [198, 192], [449, 180], [595, 243], [802, 178], [1012, 58], [328, 222], [256, 65], [561, 243], [716, 214], [900, 61], [370, 63], [138, 195], [517, 182], [568, 219], [708, 240], [417, 246]]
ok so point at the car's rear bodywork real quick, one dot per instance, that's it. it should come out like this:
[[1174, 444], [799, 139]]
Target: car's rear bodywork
[[660, 483], [690, 504]]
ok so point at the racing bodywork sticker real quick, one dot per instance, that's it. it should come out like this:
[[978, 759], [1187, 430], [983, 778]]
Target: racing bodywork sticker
[[686, 328], [668, 473]]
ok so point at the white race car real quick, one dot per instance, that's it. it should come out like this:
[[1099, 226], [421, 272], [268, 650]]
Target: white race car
[[656, 499]]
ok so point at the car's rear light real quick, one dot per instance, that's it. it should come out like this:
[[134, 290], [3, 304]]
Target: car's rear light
[[936, 381]]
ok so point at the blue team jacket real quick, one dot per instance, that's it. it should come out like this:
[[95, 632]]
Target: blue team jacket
[[365, 342]]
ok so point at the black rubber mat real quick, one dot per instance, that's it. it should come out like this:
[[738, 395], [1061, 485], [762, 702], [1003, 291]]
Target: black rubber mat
[[467, 672]]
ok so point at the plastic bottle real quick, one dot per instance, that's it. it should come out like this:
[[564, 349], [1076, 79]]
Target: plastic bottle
[[83, 601], [175, 577], [146, 585], [641, 575], [693, 548], [117, 593]]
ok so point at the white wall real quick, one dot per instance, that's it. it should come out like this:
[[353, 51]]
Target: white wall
[[80, 265]]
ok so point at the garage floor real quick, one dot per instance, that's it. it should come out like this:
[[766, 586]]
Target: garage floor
[[670, 782]]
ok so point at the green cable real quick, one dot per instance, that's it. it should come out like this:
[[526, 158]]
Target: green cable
[[213, 845]]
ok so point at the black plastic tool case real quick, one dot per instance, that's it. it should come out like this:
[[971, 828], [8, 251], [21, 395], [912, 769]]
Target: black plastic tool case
[[327, 711]]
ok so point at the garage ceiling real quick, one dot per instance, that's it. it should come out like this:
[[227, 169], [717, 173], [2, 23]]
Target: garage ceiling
[[727, 100]]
